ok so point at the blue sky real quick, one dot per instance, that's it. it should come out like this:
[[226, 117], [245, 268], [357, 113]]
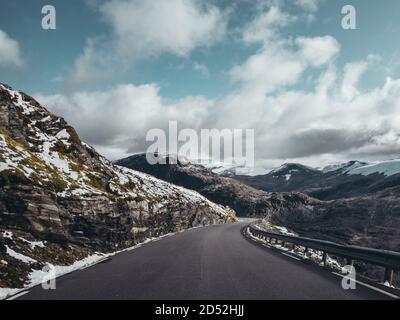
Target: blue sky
[[195, 53]]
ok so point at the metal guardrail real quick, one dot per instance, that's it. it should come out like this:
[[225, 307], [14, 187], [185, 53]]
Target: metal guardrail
[[390, 260]]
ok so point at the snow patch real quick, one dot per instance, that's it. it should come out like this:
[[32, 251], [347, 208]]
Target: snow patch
[[19, 256], [33, 244], [8, 235], [388, 168]]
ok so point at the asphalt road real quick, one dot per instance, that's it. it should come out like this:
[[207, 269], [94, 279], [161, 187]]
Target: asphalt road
[[209, 263]]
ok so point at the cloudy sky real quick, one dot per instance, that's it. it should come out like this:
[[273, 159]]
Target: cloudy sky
[[314, 92]]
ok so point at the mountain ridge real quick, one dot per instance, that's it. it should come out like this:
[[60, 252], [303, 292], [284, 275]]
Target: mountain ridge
[[245, 200], [350, 179]]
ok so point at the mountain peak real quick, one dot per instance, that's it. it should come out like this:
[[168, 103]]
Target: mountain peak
[[288, 168], [343, 167]]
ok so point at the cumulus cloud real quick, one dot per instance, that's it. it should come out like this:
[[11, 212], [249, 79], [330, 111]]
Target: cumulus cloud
[[143, 29], [270, 68], [266, 24], [153, 27], [9, 51], [352, 73], [290, 125], [92, 65], [281, 63], [309, 5], [318, 50]]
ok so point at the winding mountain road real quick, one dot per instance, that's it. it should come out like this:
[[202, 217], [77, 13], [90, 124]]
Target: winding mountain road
[[214, 262]]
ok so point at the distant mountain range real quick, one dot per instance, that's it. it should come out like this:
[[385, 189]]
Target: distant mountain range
[[347, 180]]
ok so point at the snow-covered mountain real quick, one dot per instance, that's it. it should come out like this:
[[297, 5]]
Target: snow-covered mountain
[[58, 191], [387, 168], [344, 180], [344, 167]]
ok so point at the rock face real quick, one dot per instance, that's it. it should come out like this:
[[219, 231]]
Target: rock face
[[245, 200], [57, 189]]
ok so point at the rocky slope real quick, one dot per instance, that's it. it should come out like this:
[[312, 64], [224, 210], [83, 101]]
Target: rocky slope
[[245, 200], [58, 191]]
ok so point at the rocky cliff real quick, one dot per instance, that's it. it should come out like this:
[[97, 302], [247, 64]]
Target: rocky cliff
[[58, 191]]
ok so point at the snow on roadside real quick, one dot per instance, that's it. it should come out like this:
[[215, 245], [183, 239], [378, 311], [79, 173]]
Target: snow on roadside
[[36, 277], [313, 255], [7, 292]]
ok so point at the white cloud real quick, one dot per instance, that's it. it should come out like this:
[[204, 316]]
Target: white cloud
[[270, 68], [318, 50], [90, 66], [280, 64], [314, 127], [143, 28], [9, 51], [266, 25], [309, 5], [352, 73]]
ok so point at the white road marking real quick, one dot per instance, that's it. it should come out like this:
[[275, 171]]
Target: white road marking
[[18, 295], [370, 287], [290, 256]]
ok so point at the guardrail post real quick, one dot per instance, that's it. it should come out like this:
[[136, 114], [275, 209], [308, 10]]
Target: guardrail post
[[388, 276], [324, 257]]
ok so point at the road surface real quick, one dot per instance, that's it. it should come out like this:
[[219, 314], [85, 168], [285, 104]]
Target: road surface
[[214, 262]]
